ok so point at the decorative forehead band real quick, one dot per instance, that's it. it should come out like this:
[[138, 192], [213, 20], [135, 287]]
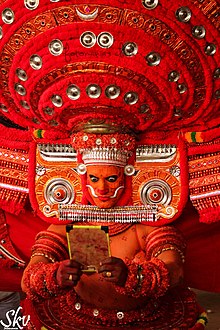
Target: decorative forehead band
[[111, 149], [149, 65]]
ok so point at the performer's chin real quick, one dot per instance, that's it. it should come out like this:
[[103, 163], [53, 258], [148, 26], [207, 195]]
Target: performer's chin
[[104, 202]]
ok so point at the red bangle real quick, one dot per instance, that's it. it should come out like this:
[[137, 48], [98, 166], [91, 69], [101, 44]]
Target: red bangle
[[50, 244], [163, 239]]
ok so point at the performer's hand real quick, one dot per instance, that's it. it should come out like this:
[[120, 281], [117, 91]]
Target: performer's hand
[[68, 273], [114, 270]]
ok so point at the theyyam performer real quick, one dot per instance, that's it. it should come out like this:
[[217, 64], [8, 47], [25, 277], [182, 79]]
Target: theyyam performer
[[109, 161]]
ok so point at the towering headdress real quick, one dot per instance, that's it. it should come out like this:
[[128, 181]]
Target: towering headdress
[[150, 67], [145, 65]]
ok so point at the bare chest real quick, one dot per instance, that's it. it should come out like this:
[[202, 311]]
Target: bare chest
[[125, 244]]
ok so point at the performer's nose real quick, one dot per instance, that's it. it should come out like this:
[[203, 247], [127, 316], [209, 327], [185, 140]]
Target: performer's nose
[[103, 188], [102, 191]]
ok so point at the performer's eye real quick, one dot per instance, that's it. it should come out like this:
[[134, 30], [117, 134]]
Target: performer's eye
[[112, 178], [93, 178]]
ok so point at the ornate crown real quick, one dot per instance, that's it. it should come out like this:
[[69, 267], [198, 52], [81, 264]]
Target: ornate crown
[[104, 148], [104, 155]]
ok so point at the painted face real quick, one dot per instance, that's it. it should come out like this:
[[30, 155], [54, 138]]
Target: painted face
[[105, 184]]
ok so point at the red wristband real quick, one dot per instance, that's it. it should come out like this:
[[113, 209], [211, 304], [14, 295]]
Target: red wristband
[[149, 278]]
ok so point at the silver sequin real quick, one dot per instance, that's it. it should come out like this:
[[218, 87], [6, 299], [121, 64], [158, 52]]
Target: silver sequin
[[88, 39], [57, 101], [144, 108], [3, 107], [177, 112], [21, 74], [174, 76], [31, 4], [25, 105], [216, 74], [120, 315], [78, 306], [182, 88], [73, 92], [150, 4], [36, 62], [8, 16], [35, 120], [183, 14], [95, 312], [93, 91], [55, 47], [153, 59], [1, 33], [113, 140], [210, 49], [198, 31], [130, 48], [131, 98], [217, 94], [105, 40], [53, 123], [20, 89], [48, 111], [112, 91]]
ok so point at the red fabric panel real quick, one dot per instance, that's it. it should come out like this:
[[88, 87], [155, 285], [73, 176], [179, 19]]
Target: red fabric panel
[[10, 279], [202, 267], [22, 231]]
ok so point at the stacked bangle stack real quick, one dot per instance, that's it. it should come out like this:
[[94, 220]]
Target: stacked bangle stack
[[40, 278], [51, 246], [164, 239]]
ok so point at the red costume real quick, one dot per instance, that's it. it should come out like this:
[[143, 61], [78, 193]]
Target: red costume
[[130, 84]]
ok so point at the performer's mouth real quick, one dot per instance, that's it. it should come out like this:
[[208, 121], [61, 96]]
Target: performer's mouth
[[103, 199]]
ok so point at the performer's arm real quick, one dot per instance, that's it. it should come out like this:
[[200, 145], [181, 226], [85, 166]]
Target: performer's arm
[[50, 272], [161, 269]]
